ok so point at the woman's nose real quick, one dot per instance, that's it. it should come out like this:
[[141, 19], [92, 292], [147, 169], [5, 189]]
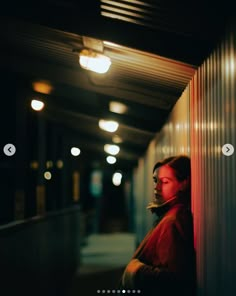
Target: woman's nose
[[158, 186]]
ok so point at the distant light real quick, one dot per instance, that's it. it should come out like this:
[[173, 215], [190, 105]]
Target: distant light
[[60, 164], [117, 107], [116, 178], [34, 165], [37, 105], [47, 175], [116, 139], [111, 149], [49, 164], [108, 125], [75, 151], [111, 159], [93, 61], [43, 87]]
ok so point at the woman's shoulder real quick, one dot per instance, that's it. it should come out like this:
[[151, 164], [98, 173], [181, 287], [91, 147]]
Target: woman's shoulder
[[178, 215]]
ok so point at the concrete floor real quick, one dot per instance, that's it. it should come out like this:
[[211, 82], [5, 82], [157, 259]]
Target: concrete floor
[[103, 260]]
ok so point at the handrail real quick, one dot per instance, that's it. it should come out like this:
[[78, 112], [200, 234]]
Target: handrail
[[18, 225]]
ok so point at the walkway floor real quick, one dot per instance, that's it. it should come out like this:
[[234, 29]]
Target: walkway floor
[[102, 261]]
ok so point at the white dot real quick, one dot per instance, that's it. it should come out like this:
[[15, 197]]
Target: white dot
[[118, 291], [123, 291], [37, 105], [138, 291], [108, 291], [75, 151], [98, 291], [113, 291], [128, 291], [103, 291], [133, 291]]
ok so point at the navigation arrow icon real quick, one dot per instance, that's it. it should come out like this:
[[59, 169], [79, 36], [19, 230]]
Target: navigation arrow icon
[[227, 149]]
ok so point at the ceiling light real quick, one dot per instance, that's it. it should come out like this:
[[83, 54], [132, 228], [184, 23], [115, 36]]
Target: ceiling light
[[117, 107], [47, 175], [111, 149], [43, 87], [108, 125], [94, 61], [111, 159], [60, 164], [116, 139], [37, 105], [75, 151], [116, 178]]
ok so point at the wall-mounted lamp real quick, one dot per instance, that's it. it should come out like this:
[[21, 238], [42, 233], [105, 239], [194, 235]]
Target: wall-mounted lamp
[[108, 125], [94, 61], [111, 149]]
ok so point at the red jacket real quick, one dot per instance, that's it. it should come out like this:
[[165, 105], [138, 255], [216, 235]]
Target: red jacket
[[166, 257]]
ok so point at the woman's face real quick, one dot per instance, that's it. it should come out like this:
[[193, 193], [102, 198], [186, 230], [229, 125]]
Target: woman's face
[[166, 186]]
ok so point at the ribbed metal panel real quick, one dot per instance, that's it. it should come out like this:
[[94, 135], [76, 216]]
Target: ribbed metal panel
[[174, 136], [202, 121], [143, 192], [139, 193], [133, 70], [213, 174], [46, 43], [157, 14], [173, 139]]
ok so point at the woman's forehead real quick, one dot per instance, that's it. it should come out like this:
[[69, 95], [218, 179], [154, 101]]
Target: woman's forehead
[[165, 172]]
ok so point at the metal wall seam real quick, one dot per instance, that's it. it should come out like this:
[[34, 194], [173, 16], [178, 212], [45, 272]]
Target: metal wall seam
[[213, 125]]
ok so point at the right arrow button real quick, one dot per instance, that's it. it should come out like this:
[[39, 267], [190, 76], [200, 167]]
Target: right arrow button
[[228, 149]]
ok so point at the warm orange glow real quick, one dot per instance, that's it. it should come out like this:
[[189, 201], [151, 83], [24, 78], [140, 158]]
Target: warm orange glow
[[43, 87]]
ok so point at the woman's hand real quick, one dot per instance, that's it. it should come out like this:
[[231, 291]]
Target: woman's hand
[[129, 273]]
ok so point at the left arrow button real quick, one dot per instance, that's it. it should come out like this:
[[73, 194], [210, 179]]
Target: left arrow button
[[9, 149]]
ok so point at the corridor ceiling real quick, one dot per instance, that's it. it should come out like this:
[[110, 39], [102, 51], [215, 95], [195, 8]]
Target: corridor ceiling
[[155, 48]]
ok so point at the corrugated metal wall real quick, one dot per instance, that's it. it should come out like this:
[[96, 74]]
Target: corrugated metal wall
[[213, 119], [172, 139], [202, 121], [174, 136]]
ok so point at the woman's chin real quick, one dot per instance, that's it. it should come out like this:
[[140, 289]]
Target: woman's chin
[[158, 199]]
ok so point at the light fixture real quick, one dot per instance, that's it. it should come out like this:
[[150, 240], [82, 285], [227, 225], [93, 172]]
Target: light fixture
[[49, 164], [116, 178], [75, 151], [116, 139], [60, 164], [111, 159], [47, 175], [42, 86], [94, 61], [117, 107], [108, 125], [111, 149], [37, 105]]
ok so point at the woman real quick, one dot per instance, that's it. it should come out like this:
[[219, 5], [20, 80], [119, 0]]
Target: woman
[[164, 263]]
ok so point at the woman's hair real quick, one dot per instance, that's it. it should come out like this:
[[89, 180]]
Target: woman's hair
[[180, 164], [161, 163]]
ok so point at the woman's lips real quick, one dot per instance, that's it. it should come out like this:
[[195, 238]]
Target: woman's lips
[[157, 195]]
